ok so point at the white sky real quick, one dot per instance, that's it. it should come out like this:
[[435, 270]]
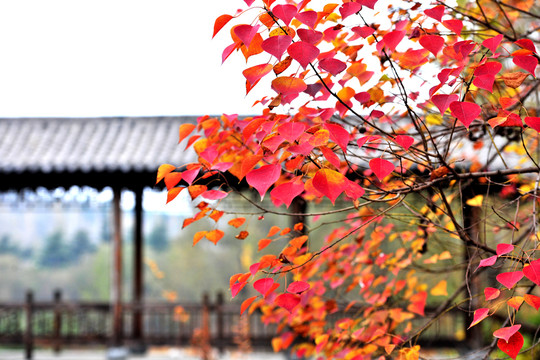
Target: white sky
[[118, 57]]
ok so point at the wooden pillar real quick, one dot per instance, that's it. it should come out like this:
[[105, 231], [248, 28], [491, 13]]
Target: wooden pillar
[[472, 216], [138, 278], [298, 207], [118, 332], [28, 334], [220, 319], [57, 322]]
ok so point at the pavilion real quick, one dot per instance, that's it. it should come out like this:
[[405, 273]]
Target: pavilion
[[122, 153]]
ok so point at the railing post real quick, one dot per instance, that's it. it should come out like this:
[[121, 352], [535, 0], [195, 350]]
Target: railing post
[[205, 343], [57, 325], [28, 336], [220, 322]]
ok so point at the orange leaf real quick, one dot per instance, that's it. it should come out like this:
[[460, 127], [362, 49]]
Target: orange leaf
[[515, 302], [184, 131], [237, 222], [171, 194], [532, 300], [288, 85], [515, 79], [214, 236], [246, 303], [282, 65], [198, 236], [196, 190], [264, 243], [248, 164], [242, 235], [172, 179], [216, 215], [299, 241], [220, 23], [273, 231], [164, 170]]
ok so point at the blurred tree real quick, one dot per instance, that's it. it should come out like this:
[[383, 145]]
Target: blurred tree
[[55, 252]]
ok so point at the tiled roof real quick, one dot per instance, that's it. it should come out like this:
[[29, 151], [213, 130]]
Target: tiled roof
[[89, 144], [48, 146]]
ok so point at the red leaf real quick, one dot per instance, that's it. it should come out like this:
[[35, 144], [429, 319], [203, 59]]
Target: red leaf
[[532, 271], [506, 332], [513, 346], [291, 130], [228, 51], [490, 68], [263, 177], [465, 111], [288, 85], [333, 66], [532, 300], [303, 52], [348, 9], [363, 31], [263, 286], [526, 44], [493, 42], [338, 135], [287, 301], [533, 122], [235, 288], [443, 101], [255, 73], [330, 156], [246, 33], [503, 249], [526, 62], [479, 315], [435, 13], [393, 38], [509, 279], [298, 287], [491, 293], [246, 303], [190, 175], [487, 262], [220, 23], [285, 12], [432, 43], [404, 141], [368, 3], [307, 17], [310, 36], [418, 303], [276, 45], [353, 190], [214, 194], [454, 25], [286, 192], [330, 183], [381, 167]]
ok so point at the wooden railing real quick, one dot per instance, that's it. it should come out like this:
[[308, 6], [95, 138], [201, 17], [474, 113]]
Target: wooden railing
[[60, 323]]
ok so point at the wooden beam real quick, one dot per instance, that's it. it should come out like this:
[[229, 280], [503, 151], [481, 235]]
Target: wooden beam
[[118, 332]]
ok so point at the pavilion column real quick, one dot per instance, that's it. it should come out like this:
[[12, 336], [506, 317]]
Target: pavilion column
[[117, 270], [138, 285]]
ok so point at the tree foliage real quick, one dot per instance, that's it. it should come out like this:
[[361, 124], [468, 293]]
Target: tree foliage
[[418, 121]]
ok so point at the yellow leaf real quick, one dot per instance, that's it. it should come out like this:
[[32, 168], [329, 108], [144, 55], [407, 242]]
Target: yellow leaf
[[439, 289], [433, 119], [476, 201]]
